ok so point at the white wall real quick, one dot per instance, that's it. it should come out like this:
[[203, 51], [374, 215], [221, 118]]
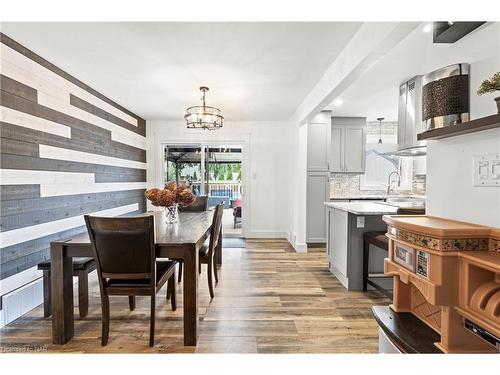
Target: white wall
[[450, 193], [269, 164], [297, 221]]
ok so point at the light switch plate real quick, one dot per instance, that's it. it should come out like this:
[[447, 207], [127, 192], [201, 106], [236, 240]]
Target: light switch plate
[[360, 222], [486, 170]]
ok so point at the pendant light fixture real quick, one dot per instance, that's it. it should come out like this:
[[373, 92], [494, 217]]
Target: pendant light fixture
[[203, 116], [380, 119]]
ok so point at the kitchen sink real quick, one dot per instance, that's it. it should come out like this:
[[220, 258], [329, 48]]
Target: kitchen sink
[[404, 202]]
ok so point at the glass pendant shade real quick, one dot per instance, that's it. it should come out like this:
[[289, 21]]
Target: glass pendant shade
[[203, 116]]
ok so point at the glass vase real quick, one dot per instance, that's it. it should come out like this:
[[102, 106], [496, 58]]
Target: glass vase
[[172, 214]]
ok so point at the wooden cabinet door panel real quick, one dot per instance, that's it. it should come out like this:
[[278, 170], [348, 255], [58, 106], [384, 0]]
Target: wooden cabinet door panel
[[354, 146], [336, 150], [317, 147], [318, 191]]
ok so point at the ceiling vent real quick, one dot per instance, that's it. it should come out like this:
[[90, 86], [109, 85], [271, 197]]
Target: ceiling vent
[[450, 32]]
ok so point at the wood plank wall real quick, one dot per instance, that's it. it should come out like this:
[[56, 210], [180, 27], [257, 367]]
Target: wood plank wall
[[66, 150]]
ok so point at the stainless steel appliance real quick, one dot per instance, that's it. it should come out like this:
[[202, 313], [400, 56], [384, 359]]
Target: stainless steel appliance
[[445, 96], [410, 119]]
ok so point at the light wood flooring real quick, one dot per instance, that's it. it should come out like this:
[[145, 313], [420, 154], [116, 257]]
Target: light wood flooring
[[269, 300]]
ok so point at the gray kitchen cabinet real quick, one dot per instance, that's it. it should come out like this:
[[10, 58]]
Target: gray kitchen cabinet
[[318, 192], [337, 150], [318, 143], [347, 145]]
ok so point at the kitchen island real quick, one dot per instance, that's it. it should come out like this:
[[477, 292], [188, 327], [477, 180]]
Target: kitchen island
[[346, 223]]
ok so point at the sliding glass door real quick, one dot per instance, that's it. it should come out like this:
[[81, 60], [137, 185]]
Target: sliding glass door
[[185, 164], [212, 170]]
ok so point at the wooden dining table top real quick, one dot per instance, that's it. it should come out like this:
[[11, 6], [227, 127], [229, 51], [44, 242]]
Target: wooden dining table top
[[190, 228]]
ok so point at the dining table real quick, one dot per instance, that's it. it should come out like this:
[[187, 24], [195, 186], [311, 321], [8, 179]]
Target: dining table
[[180, 241]]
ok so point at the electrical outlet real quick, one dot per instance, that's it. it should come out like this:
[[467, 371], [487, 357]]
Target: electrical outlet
[[360, 222]]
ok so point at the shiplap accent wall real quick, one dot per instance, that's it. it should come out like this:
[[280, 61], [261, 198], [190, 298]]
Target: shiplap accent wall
[[66, 150]]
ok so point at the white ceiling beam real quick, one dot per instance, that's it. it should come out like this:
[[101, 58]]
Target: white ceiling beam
[[368, 46]]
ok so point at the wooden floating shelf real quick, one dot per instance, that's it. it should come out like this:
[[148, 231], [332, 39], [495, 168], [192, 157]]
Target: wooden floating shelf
[[483, 123]]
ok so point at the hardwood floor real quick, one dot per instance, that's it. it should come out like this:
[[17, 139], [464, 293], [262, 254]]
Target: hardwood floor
[[269, 300]]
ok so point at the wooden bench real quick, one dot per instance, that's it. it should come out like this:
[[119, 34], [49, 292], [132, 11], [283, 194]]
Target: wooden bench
[[81, 269]]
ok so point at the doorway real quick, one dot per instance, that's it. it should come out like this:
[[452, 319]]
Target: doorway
[[211, 170]]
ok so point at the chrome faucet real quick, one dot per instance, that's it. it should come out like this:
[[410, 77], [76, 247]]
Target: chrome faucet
[[389, 181]]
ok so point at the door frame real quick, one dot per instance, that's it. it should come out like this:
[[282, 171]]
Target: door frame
[[200, 138]]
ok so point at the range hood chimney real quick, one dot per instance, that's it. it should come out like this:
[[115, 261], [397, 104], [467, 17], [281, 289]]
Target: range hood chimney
[[410, 119]]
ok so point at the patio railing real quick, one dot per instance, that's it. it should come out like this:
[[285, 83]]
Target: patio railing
[[227, 189]]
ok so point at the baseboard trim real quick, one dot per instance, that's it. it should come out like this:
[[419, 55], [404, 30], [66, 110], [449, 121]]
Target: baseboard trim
[[267, 234], [300, 247]]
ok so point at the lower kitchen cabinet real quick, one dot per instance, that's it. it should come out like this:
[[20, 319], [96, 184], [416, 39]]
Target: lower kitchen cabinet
[[318, 192], [338, 243]]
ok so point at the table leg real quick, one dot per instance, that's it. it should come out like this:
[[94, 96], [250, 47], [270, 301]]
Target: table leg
[[62, 295], [190, 296]]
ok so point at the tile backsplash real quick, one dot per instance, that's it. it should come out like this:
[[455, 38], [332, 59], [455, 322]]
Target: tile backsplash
[[348, 185]]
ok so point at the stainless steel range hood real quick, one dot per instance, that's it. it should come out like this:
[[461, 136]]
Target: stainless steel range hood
[[410, 119], [410, 151]]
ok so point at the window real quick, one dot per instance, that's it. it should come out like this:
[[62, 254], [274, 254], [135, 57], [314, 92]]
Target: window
[[379, 166]]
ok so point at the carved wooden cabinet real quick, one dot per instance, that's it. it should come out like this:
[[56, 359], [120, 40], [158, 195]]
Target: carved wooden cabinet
[[447, 274]]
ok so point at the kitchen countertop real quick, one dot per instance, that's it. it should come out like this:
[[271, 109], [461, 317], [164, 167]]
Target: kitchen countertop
[[385, 196], [405, 330], [363, 197], [363, 208]]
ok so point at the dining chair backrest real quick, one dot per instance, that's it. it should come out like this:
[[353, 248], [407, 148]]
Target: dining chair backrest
[[199, 205], [124, 248], [216, 227]]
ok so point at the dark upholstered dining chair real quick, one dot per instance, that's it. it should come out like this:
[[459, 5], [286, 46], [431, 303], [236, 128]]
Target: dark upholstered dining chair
[[124, 250], [200, 204], [207, 252]]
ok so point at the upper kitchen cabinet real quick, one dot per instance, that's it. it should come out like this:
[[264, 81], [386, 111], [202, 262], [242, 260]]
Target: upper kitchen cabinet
[[348, 140], [318, 142]]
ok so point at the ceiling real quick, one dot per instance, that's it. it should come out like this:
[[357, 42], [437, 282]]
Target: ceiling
[[376, 93], [255, 71]]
